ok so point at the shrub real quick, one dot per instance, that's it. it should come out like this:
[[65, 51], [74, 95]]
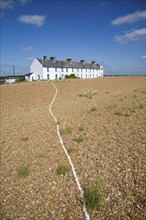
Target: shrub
[[71, 76]]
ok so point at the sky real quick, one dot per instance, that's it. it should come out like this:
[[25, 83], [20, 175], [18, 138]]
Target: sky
[[111, 32]]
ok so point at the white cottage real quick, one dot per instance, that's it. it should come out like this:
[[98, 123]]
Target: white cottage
[[51, 69]]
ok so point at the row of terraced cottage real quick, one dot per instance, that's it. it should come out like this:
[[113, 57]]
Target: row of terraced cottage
[[52, 69]]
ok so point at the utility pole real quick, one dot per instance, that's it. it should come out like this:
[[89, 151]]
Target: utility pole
[[13, 70]]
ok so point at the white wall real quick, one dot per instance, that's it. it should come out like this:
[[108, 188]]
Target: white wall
[[37, 70], [58, 73], [44, 73]]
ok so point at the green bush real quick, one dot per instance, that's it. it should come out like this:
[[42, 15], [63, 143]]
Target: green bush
[[71, 76]]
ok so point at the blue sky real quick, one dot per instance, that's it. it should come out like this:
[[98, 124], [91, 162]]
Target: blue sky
[[112, 32]]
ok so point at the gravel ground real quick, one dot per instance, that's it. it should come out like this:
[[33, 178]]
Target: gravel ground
[[110, 156]]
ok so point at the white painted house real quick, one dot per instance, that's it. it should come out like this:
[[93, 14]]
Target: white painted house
[[51, 69]]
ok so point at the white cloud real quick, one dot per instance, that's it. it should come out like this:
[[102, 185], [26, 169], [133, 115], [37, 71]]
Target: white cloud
[[6, 4], [10, 4], [37, 20], [25, 49], [133, 35], [30, 58], [24, 2], [130, 18], [143, 57]]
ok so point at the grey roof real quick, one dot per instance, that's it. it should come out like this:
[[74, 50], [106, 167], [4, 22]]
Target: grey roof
[[28, 74], [66, 64]]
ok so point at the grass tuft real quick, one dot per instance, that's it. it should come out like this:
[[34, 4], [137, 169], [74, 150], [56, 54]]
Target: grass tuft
[[88, 93], [79, 139], [63, 169], [93, 198], [70, 149], [23, 171], [118, 113], [93, 109], [81, 128], [66, 129], [24, 138]]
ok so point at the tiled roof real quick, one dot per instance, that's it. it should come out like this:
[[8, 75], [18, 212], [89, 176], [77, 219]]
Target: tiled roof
[[67, 64]]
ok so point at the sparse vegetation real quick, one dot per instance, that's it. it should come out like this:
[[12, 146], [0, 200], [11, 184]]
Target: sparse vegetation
[[66, 129], [79, 139], [88, 93], [125, 110], [93, 109], [134, 96], [81, 128], [24, 138], [140, 105], [93, 198], [63, 169], [70, 149], [23, 171], [118, 113]]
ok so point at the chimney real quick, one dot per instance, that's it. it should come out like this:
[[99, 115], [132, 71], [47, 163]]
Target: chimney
[[82, 62], [44, 58], [93, 62], [53, 59], [69, 60]]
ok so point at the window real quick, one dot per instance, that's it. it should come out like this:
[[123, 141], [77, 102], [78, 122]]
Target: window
[[48, 70], [72, 69], [66, 69], [55, 69], [62, 75], [38, 77], [62, 69], [48, 76]]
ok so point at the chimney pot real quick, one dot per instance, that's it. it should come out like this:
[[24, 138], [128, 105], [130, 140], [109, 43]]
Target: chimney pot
[[53, 58], [44, 57], [82, 62], [69, 60], [93, 62]]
